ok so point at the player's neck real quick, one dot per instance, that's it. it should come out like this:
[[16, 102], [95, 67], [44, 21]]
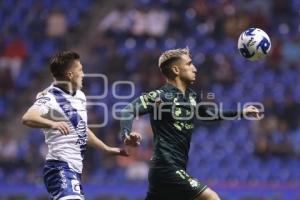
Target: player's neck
[[178, 84], [67, 88]]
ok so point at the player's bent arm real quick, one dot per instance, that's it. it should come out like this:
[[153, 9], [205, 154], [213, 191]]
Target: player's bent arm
[[96, 143], [33, 118], [139, 106]]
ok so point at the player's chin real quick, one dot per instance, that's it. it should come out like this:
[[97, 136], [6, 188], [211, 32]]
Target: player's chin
[[189, 81], [192, 80]]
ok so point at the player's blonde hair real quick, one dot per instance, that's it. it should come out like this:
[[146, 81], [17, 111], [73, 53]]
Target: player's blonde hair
[[173, 53]]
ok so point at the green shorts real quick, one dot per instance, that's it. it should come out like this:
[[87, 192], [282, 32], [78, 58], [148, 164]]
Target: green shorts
[[173, 184]]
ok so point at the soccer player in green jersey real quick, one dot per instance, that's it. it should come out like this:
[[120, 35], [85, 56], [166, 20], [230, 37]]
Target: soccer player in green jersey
[[173, 109]]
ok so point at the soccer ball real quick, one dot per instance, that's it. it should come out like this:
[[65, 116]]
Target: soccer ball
[[254, 44]]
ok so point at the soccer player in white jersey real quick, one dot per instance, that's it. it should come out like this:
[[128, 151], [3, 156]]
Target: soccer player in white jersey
[[60, 110]]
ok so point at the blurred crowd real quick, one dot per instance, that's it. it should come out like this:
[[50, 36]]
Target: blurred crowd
[[128, 42]]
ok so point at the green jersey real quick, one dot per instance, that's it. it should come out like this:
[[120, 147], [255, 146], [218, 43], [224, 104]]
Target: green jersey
[[172, 116]]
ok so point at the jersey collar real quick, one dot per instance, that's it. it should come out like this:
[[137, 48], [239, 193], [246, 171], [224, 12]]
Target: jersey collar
[[64, 90], [171, 87]]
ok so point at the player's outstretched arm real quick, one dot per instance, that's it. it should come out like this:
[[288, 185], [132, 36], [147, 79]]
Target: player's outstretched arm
[[212, 113], [95, 142], [33, 118], [207, 113]]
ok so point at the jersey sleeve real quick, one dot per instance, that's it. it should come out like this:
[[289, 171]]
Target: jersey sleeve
[[210, 111], [42, 103], [142, 105]]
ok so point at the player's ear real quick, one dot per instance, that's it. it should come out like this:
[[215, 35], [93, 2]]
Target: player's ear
[[69, 75], [175, 69]]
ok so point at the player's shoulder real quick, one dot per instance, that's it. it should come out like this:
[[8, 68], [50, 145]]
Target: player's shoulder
[[44, 97], [45, 94], [162, 94], [151, 96]]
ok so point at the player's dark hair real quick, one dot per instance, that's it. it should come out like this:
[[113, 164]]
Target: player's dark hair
[[166, 66], [61, 62]]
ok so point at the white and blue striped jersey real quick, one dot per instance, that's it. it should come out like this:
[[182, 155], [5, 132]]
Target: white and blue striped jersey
[[57, 105]]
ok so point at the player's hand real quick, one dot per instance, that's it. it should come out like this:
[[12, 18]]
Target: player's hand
[[133, 139], [63, 127], [117, 151], [252, 111]]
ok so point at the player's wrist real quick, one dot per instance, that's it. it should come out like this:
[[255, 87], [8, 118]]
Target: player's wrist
[[51, 124], [110, 150]]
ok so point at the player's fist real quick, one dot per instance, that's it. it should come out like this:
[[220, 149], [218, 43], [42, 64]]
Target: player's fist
[[251, 111], [133, 139], [117, 151], [63, 127]]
